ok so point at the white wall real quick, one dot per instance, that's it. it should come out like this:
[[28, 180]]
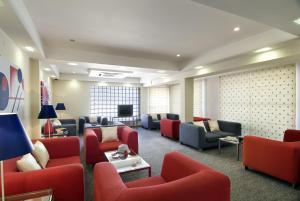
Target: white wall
[[175, 100], [10, 52], [76, 97], [212, 97]]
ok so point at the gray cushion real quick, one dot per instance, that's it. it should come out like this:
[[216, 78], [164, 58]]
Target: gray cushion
[[212, 137], [224, 134]]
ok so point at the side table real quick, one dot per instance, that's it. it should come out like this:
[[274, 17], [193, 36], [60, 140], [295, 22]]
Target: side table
[[238, 141]]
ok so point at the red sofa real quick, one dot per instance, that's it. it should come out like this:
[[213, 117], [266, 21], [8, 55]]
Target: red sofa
[[64, 172], [200, 119], [181, 179], [94, 148], [170, 128], [275, 158]]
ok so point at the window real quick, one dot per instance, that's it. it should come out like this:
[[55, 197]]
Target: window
[[159, 100], [199, 98], [104, 100]]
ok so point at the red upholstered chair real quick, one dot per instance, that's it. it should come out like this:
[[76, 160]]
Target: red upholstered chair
[[64, 172], [275, 158], [181, 179], [200, 119], [170, 128], [94, 148]]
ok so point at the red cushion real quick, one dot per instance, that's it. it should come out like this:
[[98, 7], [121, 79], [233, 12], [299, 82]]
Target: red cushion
[[151, 181], [109, 146], [63, 161], [200, 119], [48, 125]]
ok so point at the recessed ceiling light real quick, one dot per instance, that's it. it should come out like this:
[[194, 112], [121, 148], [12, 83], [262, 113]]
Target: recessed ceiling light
[[297, 21], [74, 72], [161, 71], [72, 40], [29, 48], [236, 29], [53, 76], [164, 77], [178, 55], [47, 69], [73, 64], [263, 49], [199, 67]]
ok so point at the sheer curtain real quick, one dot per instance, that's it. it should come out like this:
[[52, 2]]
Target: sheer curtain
[[159, 100]]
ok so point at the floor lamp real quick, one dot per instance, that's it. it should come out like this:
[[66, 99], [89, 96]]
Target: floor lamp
[[47, 112], [14, 141]]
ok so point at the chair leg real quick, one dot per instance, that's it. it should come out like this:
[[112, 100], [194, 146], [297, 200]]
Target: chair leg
[[246, 168], [294, 186]]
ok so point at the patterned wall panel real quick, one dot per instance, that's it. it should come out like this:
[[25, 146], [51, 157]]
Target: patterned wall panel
[[262, 100], [198, 110]]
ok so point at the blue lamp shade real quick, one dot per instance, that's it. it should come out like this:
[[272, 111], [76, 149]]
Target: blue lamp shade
[[47, 112], [60, 106], [13, 139]]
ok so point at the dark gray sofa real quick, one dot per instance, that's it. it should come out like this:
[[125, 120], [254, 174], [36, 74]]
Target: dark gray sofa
[[86, 119], [68, 124], [149, 123], [196, 137]]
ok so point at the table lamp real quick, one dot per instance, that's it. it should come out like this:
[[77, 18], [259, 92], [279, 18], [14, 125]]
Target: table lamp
[[60, 106], [47, 112], [14, 141]]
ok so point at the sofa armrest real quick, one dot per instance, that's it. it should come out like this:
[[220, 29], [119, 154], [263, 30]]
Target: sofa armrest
[[67, 121], [91, 146], [291, 135], [264, 154], [108, 184], [176, 166], [146, 121], [62, 147], [129, 136], [191, 134], [67, 182], [231, 127], [207, 185]]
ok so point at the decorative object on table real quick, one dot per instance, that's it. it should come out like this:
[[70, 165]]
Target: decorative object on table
[[62, 131], [13, 141], [47, 112], [122, 152]]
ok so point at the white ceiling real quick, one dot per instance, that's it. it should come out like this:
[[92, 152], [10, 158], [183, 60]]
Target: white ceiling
[[144, 36], [156, 29]]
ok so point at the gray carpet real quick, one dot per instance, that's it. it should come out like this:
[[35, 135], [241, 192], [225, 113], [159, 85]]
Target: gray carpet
[[245, 185]]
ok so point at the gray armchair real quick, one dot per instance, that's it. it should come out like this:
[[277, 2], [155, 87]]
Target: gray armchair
[[148, 123], [196, 137]]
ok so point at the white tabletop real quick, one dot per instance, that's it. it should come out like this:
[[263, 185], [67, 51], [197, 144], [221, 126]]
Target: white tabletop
[[138, 162]]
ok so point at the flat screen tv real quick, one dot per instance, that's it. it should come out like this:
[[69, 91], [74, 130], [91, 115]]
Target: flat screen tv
[[125, 110]]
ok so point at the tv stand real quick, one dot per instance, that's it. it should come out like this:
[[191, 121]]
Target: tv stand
[[134, 120]]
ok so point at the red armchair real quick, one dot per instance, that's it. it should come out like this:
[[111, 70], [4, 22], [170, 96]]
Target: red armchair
[[275, 158], [170, 128], [63, 174], [181, 179], [200, 119], [94, 148]]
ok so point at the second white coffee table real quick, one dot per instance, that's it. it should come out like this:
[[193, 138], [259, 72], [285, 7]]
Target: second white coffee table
[[130, 164]]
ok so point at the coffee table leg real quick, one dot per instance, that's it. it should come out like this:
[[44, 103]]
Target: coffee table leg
[[219, 146], [149, 172]]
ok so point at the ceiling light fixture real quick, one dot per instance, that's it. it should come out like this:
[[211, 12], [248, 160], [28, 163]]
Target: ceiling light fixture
[[178, 55], [263, 49], [47, 69], [74, 72], [199, 67], [297, 21], [72, 40], [72, 64], [236, 29], [161, 71], [29, 48], [53, 76]]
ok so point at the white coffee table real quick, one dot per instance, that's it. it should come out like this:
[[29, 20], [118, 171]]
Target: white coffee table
[[130, 164]]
